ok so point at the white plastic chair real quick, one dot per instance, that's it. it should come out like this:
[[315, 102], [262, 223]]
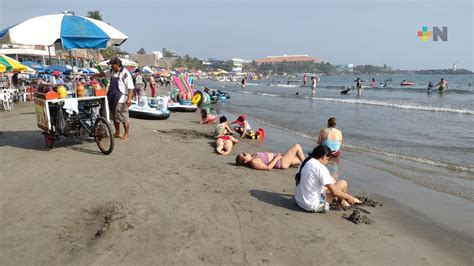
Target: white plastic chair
[[6, 100]]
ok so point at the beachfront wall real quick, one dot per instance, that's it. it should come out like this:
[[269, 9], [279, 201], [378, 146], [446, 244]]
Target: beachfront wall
[[287, 58]]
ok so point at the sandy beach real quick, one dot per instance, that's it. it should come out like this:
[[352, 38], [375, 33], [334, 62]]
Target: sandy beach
[[164, 197]]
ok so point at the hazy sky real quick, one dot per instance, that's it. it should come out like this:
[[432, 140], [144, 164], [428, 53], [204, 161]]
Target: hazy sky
[[338, 31]]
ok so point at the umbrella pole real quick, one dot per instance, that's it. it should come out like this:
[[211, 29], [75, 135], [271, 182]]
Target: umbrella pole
[[74, 82], [49, 53]]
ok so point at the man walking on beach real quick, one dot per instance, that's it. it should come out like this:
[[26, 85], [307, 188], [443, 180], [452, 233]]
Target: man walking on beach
[[119, 95]]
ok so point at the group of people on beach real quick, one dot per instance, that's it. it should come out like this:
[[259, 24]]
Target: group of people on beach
[[315, 188]]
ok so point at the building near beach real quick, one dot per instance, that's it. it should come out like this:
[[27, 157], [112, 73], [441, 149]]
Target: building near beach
[[52, 55], [287, 58], [345, 67]]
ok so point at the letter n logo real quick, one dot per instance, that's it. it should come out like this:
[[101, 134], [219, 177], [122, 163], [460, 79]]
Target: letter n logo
[[442, 34]]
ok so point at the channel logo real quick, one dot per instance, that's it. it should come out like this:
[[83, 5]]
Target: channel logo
[[436, 34]]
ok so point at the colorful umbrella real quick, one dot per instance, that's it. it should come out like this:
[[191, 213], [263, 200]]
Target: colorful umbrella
[[3, 68], [11, 64], [75, 32]]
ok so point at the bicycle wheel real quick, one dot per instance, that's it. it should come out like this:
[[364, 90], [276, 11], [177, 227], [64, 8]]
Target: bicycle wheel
[[49, 139], [103, 136]]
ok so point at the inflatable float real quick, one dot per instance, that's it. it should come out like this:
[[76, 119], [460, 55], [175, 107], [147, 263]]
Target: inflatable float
[[150, 108], [407, 83], [182, 105]]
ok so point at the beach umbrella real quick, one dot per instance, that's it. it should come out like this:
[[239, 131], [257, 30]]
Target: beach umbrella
[[125, 62], [60, 68], [74, 32], [147, 70], [34, 65], [11, 64]]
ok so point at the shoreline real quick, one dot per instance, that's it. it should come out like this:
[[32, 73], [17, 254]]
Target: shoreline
[[174, 200], [369, 174]]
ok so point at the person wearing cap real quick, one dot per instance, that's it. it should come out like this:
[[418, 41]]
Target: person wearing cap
[[312, 177], [119, 95], [244, 126], [52, 78]]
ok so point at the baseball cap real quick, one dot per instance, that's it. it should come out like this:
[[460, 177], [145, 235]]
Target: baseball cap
[[240, 120], [114, 60]]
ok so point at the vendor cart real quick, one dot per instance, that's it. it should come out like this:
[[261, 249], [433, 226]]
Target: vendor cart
[[84, 117]]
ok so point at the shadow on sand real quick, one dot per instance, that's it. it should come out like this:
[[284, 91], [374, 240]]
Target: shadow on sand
[[286, 201], [29, 139], [34, 140]]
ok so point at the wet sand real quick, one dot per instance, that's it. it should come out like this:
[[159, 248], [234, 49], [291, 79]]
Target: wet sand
[[164, 197]]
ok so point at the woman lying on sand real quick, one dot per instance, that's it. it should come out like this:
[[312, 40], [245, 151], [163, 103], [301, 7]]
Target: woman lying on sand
[[224, 142], [269, 160]]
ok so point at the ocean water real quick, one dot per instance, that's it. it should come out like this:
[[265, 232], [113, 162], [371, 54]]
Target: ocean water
[[433, 129]]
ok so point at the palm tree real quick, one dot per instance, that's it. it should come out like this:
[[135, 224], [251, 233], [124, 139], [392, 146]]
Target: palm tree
[[95, 14]]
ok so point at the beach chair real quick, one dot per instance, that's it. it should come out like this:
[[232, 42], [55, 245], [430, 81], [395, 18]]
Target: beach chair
[[7, 101]]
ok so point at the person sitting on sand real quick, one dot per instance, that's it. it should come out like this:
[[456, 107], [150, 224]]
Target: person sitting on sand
[[311, 179], [331, 137], [224, 141], [269, 160], [222, 128], [207, 118], [244, 126]]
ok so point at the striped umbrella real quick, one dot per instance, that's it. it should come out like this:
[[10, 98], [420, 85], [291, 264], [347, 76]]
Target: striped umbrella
[[11, 64], [74, 32]]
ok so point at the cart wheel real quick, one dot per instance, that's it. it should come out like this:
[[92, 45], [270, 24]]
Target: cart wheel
[[103, 136], [49, 139]]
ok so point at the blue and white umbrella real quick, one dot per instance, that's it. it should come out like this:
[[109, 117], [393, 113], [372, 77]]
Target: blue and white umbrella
[[75, 32]]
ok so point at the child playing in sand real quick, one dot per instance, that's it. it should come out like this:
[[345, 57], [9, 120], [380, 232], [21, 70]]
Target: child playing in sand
[[244, 126], [207, 118]]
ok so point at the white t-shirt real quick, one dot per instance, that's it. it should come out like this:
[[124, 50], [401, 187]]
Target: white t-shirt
[[125, 82], [314, 177]]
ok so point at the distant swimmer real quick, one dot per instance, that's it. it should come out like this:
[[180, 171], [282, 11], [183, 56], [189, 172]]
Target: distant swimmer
[[430, 86], [244, 82], [443, 84], [345, 91], [372, 83], [297, 93], [313, 85], [305, 78], [358, 86]]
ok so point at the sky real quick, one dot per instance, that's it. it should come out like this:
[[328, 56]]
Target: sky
[[337, 31]]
